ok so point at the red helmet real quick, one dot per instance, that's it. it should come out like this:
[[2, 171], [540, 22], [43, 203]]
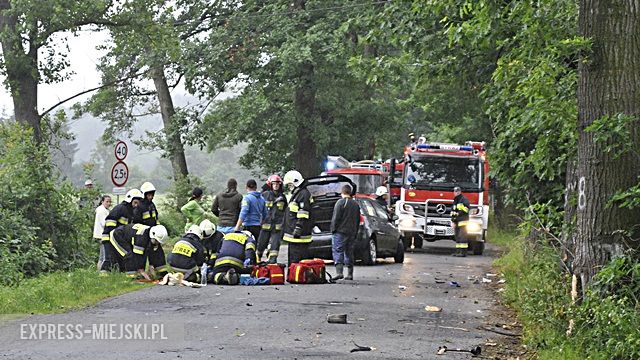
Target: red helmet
[[272, 179]]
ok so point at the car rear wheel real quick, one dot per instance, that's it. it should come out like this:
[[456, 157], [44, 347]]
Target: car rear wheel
[[399, 256], [371, 253]]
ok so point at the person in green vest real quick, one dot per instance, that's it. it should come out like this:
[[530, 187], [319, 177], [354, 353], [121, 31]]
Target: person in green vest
[[192, 210]]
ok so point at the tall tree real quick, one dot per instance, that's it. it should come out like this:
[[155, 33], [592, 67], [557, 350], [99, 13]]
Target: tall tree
[[608, 99], [27, 29]]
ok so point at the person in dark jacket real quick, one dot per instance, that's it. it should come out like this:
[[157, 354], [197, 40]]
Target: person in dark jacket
[[129, 249], [146, 213], [120, 215], [253, 211], [271, 232], [187, 254], [298, 224], [459, 219], [344, 227], [237, 254], [226, 206], [211, 241]]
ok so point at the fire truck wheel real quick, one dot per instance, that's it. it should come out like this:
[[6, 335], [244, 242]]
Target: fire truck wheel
[[399, 256], [477, 247], [370, 253]]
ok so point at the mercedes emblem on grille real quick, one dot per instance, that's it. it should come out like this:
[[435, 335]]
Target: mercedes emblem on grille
[[441, 208]]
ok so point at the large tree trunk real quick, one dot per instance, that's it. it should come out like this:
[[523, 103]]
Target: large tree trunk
[[306, 156], [609, 85], [21, 70], [174, 147]]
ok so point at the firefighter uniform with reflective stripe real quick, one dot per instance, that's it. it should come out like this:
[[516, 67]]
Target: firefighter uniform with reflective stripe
[[211, 247], [235, 249], [120, 215], [298, 224], [460, 216], [187, 256], [146, 213], [130, 248], [271, 232]]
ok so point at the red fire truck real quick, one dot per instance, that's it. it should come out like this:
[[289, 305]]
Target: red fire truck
[[430, 172], [368, 175]]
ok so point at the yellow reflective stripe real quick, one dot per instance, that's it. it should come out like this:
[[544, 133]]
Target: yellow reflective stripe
[[250, 246], [273, 253], [115, 244], [280, 205], [146, 215], [293, 207], [217, 277], [311, 200], [245, 203], [297, 274], [463, 223], [269, 204], [463, 208], [138, 249], [229, 260], [104, 237], [123, 220], [278, 227], [110, 223], [266, 226], [462, 246], [302, 214], [140, 228], [302, 239], [237, 237]]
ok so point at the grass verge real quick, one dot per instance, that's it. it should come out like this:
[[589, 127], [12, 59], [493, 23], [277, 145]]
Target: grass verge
[[63, 291]]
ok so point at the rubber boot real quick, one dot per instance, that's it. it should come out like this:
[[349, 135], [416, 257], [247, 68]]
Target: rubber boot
[[232, 277], [339, 272], [349, 273]]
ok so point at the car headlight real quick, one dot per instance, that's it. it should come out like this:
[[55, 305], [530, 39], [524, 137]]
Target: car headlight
[[474, 228]]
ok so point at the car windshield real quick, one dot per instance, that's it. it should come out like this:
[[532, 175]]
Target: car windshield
[[366, 183], [443, 172], [333, 189]]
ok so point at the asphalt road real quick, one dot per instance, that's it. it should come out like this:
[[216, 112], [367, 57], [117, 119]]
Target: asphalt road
[[279, 322]]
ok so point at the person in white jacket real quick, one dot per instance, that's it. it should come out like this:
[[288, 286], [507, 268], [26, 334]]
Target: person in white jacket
[[98, 224]]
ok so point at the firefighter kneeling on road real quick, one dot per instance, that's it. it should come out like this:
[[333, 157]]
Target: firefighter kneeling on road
[[236, 256], [460, 217], [188, 254], [131, 245], [211, 241]]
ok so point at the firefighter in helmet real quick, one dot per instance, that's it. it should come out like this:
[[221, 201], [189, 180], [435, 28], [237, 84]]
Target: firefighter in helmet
[[129, 245], [382, 196], [271, 232], [120, 215], [236, 256], [187, 254], [211, 241], [297, 219], [459, 219], [146, 213]]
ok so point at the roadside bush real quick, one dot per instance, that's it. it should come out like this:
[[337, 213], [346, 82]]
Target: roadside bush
[[42, 228]]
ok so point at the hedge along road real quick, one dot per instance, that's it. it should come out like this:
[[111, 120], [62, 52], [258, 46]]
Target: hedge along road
[[385, 309]]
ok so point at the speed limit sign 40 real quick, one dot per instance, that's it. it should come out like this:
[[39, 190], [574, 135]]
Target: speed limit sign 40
[[121, 150], [119, 174]]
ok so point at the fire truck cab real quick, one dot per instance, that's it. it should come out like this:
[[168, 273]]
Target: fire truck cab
[[368, 175], [430, 171]]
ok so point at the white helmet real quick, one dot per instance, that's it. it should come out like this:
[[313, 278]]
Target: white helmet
[[248, 233], [293, 177], [159, 233], [147, 187], [88, 182], [133, 194], [195, 229], [207, 227], [381, 190]]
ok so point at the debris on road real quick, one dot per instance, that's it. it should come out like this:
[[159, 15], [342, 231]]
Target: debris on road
[[337, 318], [361, 348], [402, 287], [502, 281], [454, 328], [485, 280], [490, 275], [499, 331], [430, 308], [475, 351], [438, 281], [454, 284]]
